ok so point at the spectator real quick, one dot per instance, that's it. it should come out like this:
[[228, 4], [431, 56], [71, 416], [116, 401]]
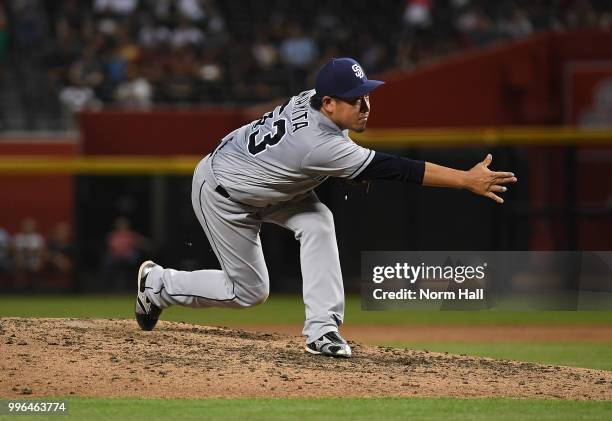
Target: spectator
[[374, 54], [517, 25], [76, 96], [124, 251], [29, 24], [60, 256], [135, 92], [299, 53], [186, 34], [161, 9], [580, 14], [62, 53], [264, 52], [89, 69], [405, 58], [73, 12], [216, 28], [28, 252], [417, 14], [152, 36], [476, 27], [211, 76], [179, 85], [329, 29], [298, 49], [191, 9], [124, 53], [115, 7]]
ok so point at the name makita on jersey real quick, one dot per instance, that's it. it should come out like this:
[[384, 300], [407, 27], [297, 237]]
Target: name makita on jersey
[[289, 151]]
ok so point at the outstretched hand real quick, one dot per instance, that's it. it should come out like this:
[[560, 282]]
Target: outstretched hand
[[481, 180]]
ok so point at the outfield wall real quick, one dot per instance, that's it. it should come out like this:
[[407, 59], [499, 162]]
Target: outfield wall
[[47, 197], [561, 202], [138, 163]]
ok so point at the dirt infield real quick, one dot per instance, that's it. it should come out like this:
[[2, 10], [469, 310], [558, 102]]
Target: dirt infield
[[57, 357], [467, 334]]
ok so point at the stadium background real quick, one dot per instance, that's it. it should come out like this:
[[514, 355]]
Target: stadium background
[[528, 82], [106, 106]]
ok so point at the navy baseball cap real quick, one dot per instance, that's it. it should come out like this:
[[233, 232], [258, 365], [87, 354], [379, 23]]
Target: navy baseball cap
[[344, 78]]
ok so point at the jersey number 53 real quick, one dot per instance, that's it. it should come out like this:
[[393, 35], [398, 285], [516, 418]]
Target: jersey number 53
[[259, 141]]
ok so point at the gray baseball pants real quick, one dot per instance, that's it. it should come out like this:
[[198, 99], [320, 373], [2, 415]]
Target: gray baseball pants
[[233, 232]]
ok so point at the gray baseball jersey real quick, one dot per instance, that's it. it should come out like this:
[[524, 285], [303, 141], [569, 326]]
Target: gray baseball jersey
[[269, 168], [289, 151]]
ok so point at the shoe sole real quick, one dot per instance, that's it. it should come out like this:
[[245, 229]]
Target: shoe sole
[[144, 320], [313, 352]]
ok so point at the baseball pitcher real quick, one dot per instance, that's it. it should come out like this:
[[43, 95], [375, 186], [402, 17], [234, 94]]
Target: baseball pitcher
[[266, 171]]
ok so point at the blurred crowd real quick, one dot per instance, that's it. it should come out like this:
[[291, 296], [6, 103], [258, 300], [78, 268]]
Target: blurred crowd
[[136, 53], [29, 261]]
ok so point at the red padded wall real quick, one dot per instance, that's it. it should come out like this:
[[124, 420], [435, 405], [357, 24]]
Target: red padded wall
[[159, 132], [47, 198], [515, 84]]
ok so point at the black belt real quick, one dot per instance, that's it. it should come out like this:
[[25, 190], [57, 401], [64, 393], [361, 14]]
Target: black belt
[[219, 189]]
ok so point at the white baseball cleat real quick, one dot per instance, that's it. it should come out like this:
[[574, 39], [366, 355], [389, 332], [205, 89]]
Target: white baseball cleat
[[146, 312], [331, 344]]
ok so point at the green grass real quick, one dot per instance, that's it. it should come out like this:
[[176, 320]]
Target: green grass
[[288, 310], [332, 408], [586, 355]]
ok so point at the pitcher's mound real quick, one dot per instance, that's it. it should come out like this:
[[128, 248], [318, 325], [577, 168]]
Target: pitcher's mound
[[59, 357]]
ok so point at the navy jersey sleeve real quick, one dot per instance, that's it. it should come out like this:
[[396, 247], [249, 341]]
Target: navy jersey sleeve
[[384, 166]]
